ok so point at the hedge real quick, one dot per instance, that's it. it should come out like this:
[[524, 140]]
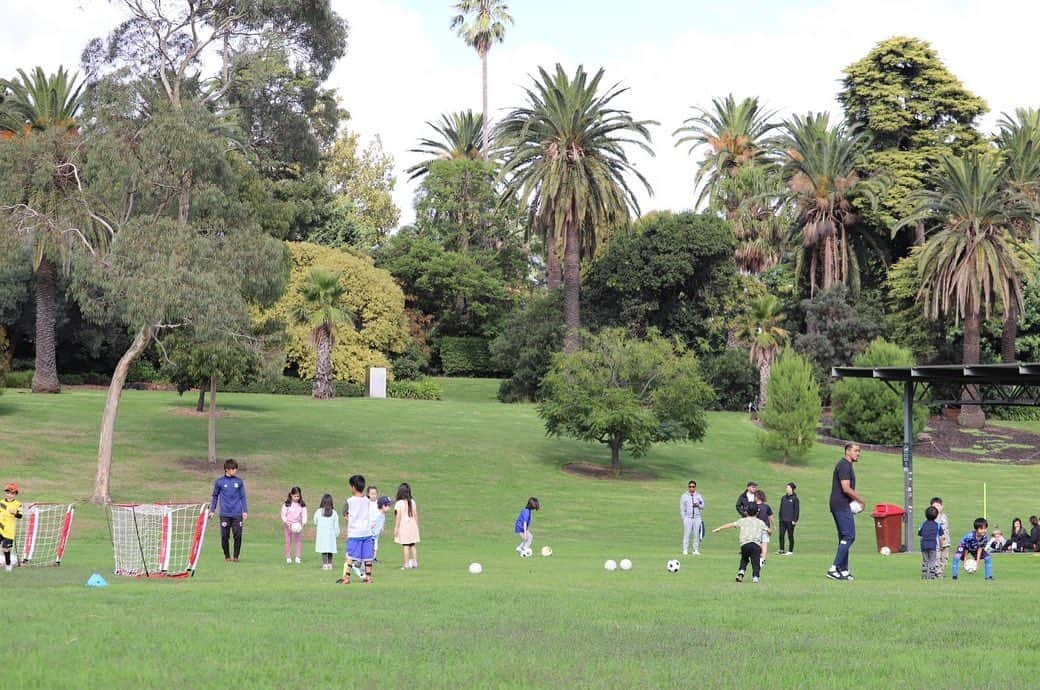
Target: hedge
[[465, 356], [422, 389]]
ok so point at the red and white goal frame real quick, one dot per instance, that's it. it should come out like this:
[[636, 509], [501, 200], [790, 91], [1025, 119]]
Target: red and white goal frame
[[157, 539], [42, 533]]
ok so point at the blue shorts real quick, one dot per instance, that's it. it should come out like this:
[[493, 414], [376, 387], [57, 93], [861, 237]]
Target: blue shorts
[[360, 548]]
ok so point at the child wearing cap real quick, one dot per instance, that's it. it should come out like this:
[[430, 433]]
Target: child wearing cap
[[382, 507], [10, 510]]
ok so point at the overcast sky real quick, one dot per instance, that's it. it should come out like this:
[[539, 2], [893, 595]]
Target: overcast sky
[[404, 66]]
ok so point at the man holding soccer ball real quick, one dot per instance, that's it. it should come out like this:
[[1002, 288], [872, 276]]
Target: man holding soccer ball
[[843, 494]]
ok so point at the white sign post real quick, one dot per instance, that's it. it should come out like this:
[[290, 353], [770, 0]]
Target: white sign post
[[375, 382]]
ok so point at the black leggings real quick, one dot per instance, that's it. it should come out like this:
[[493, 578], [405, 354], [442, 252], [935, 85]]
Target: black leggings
[[751, 552], [231, 526], [788, 529]]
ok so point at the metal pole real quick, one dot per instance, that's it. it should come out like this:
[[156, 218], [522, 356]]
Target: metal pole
[[908, 465]]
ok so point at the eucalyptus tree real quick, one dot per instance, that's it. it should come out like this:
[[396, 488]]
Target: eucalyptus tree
[[482, 23], [565, 154]]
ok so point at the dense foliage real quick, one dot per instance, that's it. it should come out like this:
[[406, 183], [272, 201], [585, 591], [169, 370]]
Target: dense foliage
[[793, 413]]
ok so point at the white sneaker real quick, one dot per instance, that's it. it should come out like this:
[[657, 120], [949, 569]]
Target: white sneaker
[[696, 553], [288, 560], [298, 560], [8, 568], [687, 553]]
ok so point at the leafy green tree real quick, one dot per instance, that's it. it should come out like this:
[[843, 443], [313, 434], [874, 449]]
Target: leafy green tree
[[870, 412], [793, 413], [565, 157], [459, 138], [762, 329], [530, 337], [915, 112], [319, 309], [625, 393], [673, 272], [733, 377], [482, 23]]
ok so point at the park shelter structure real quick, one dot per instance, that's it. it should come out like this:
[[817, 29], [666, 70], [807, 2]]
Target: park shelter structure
[[948, 384]]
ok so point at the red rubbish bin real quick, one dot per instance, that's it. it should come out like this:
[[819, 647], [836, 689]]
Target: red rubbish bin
[[888, 524]]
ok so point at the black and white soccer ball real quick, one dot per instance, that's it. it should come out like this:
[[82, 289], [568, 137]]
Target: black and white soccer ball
[[525, 553], [673, 566]]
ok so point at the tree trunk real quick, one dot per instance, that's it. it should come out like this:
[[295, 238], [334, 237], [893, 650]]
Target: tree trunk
[[184, 199], [571, 291], [1009, 338], [102, 480], [483, 67], [615, 456], [971, 415], [201, 405], [212, 454], [763, 381], [553, 274], [919, 234], [45, 377], [324, 387]]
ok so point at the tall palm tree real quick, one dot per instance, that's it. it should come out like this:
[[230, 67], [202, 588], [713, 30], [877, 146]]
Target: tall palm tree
[[761, 329], [481, 23], [735, 136], [565, 152], [754, 199], [973, 260], [459, 136], [321, 310], [819, 166], [36, 104]]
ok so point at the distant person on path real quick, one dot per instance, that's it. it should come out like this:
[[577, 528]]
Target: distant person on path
[[294, 511], [790, 509], [843, 492], [691, 504], [746, 501], [751, 532], [10, 510], [930, 533], [764, 513], [359, 534], [234, 509], [974, 544], [406, 525], [326, 523], [522, 526], [1019, 540], [944, 538]]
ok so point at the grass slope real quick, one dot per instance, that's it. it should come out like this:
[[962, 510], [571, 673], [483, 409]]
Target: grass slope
[[557, 622]]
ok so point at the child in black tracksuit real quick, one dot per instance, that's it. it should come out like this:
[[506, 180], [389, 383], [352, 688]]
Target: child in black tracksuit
[[789, 510]]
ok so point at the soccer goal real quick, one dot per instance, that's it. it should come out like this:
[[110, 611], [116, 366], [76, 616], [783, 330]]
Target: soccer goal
[[157, 539], [40, 536]]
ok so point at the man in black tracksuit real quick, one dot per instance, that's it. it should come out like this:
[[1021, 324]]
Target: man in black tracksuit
[[789, 510]]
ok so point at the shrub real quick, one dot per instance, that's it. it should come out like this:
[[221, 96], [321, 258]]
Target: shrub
[[733, 377], [410, 364], [526, 346], [19, 379], [792, 410], [868, 411], [423, 389], [143, 371], [465, 356]]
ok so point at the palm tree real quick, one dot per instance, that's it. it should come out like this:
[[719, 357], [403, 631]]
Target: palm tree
[[481, 23], [565, 154], [973, 260], [321, 310], [734, 134], [34, 105], [754, 197], [762, 331], [819, 166], [459, 137]]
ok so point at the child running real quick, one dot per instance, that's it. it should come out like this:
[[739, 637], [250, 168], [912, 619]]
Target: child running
[[974, 544], [406, 526], [751, 531], [10, 510], [523, 525], [294, 512], [359, 533], [326, 523]]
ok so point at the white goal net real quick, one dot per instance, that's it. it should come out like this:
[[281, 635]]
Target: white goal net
[[40, 536], [157, 539]]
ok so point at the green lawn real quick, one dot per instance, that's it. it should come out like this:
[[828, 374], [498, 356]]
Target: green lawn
[[556, 622]]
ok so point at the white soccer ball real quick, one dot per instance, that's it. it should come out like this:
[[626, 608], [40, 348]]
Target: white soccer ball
[[526, 553], [296, 527], [856, 507], [610, 565], [546, 551], [885, 551], [475, 569], [673, 566], [625, 564], [970, 565]]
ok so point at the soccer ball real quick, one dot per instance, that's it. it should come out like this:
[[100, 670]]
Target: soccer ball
[[610, 565], [526, 553], [296, 527], [673, 566], [475, 569], [546, 551], [856, 507], [970, 565], [625, 564], [885, 551]]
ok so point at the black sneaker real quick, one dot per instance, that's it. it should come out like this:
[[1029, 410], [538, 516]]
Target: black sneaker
[[740, 576], [781, 552], [834, 575]]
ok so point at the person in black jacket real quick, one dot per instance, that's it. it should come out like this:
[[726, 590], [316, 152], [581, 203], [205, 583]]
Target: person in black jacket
[[789, 510], [1018, 540], [1034, 533], [746, 501]]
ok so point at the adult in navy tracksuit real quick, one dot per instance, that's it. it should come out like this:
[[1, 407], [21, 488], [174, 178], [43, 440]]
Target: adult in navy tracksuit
[[231, 493], [789, 511]]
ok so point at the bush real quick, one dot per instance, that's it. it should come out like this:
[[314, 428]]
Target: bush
[[423, 389], [465, 356], [868, 411], [290, 385], [143, 371], [526, 346], [19, 379], [410, 364], [792, 410], [734, 379]]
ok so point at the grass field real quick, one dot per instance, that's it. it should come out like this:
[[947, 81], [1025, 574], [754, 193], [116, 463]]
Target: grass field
[[556, 622]]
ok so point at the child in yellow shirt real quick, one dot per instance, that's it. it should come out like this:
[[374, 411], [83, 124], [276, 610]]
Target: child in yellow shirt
[[10, 510]]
